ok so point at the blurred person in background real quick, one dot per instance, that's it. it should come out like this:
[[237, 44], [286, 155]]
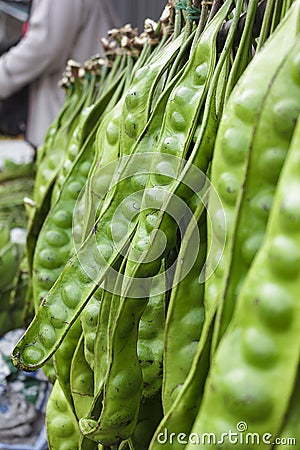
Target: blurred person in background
[[10, 31], [58, 30]]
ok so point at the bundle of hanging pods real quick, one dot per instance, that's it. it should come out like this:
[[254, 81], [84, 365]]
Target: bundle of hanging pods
[[163, 241]]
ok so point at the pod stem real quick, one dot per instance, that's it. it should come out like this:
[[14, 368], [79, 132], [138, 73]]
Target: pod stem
[[200, 28], [177, 20], [266, 25], [242, 56]]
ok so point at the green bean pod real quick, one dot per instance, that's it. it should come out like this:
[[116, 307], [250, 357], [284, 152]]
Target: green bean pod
[[81, 381], [185, 312], [92, 262], [150, 414], [180, 417], [90, 116], [234, 140], [61, 424], [89, 320], [150, 341], [123, 386], [106, 153], [108, 308], [126, 357], [43, 149], [50, 164], [108, 311], [261, 347], [290, 431], [63, 358], [47, 170], [274, 127], [53, 246], [188, 95], [135, 114], [57, 228], [136, 109]]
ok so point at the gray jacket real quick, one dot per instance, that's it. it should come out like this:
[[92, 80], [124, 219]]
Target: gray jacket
[[58, 30]]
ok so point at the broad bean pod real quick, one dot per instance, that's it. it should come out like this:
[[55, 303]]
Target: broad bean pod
[[185, 312], [89, 320], [63, 358], [261, 345], [274, 127], [290, 430], [61, 424], [259, 146], [181, 415], [123, 385], [175, 137], [75, 286], [90, 116], [150, 341], [102, 347], [47, 169], [97, 430], [138, 101], [234, 139], [50, 164], [54, 243], [150, 414]]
